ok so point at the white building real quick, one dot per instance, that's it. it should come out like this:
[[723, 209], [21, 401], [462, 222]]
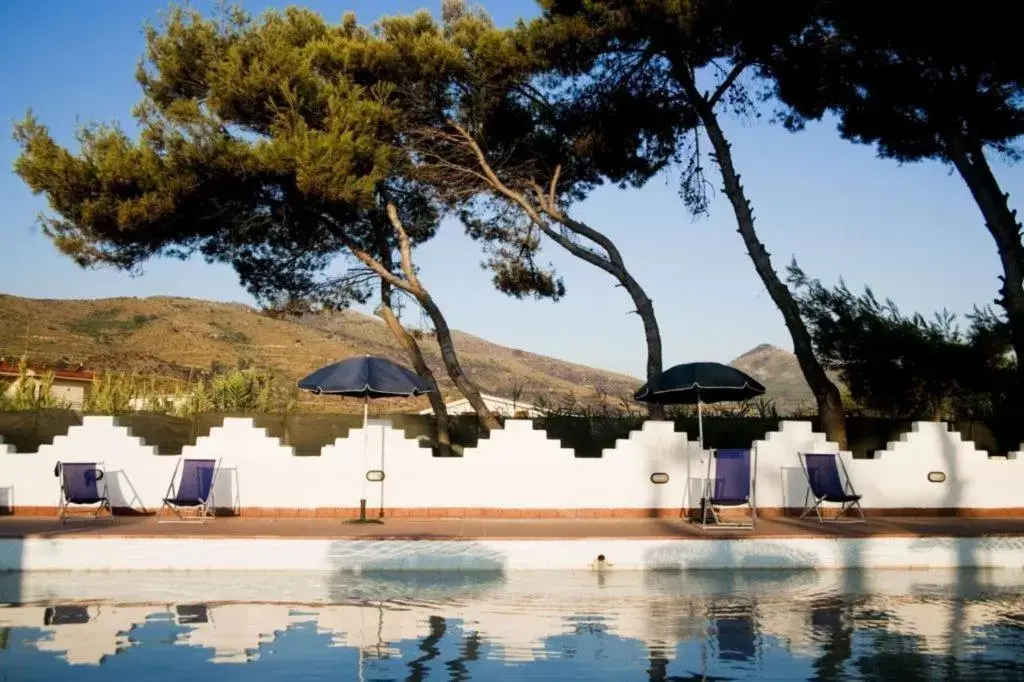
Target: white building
[[505, 407]]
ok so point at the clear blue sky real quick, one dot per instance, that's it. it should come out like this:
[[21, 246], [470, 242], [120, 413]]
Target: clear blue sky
[[911, 232]]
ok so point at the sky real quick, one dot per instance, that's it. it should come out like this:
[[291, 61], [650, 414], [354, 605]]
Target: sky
[[911, 232]]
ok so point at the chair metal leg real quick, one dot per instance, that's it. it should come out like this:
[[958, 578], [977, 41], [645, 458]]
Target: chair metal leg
[[198, 516], [807, 506]]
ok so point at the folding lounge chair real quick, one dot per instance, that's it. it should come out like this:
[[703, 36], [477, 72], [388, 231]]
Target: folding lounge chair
[[730, 487], [83, 484], [825, 485], [195, 490]]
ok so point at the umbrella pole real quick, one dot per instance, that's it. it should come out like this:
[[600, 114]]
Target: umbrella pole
[[700, 426], [366, 446]]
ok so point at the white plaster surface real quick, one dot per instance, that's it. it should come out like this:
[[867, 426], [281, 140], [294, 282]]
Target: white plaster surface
[[516, 467], [296, 554]]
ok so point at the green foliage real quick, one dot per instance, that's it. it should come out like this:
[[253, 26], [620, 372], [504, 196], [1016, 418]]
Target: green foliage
[[909, 84], [235, 390], [603, 406], [112, 394], [243, 389], [106, 324], [627, 73], [906, 366], [30, 392], [269, 144]]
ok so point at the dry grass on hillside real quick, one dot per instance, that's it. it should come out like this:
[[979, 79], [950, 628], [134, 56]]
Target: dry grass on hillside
[[178, 338]]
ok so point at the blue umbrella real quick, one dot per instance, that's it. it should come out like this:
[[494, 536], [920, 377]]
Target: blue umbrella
[[366, 377], [696, 383]]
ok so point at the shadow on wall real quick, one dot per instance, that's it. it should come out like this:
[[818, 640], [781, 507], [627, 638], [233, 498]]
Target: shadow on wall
[[124, 498], [6, 500], [226, 496], [765, 555]]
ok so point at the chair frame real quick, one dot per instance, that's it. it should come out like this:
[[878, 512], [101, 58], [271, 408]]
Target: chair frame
[[848, 489], [65, 505], [715, 510], [203, 510]]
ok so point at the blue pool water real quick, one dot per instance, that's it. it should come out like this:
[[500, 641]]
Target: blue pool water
[[881, 625]]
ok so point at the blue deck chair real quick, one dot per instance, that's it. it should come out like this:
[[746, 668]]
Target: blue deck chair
[[83, 484], [194, 490], [730, 487], [824, 484]]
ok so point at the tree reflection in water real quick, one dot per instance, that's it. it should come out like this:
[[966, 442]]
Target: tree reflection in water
[[466, 629]]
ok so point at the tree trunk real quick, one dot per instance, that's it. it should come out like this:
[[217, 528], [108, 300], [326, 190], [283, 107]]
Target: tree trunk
[[1001, 221], [645, 309], [451, 361], [614, 266], [826, 394], [612, 263], [412, 348], [411, 285]]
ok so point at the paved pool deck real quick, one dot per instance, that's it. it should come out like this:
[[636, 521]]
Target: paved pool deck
[[508, 529]]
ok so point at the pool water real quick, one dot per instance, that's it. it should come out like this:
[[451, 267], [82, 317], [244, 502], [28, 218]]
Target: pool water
[[591, 625]]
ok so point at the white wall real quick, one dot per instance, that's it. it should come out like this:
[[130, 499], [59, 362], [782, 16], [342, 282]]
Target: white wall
[[66, 389], [517, 467]]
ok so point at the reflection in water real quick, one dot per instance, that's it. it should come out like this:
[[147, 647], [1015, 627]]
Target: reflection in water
[[663, 627]]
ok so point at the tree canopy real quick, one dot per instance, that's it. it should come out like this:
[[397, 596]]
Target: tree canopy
[[910, 84], [919, 84], [273, 144], [906, 366], [253, 151], [667, 70]]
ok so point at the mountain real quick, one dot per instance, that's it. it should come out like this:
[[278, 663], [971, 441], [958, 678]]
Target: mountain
[[780, 372], [177, 337]]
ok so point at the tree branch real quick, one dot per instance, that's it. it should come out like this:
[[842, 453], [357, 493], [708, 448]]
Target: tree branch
[[375, 265], [724, 86], [612, 264], [554, 184], [404, 247]]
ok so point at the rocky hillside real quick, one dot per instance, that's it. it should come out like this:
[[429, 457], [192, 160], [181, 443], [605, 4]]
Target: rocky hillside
[[779, 371], [174, 337], [179, 338]]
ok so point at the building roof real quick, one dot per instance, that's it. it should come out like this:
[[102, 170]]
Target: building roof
[[9, 370]]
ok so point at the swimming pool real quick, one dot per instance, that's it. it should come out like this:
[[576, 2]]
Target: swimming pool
[[527, 625]]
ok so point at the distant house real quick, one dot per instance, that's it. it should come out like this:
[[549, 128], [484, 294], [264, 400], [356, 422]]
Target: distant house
[[71, 385], [502, 406]]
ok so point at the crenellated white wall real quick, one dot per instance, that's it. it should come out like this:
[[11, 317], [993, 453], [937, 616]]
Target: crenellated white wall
[[780, 481], [136, 476], [518, 467], [898, 476]]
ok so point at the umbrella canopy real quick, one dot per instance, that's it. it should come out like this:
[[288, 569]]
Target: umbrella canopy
[[696, 383], [699, 382], [365, 377]]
